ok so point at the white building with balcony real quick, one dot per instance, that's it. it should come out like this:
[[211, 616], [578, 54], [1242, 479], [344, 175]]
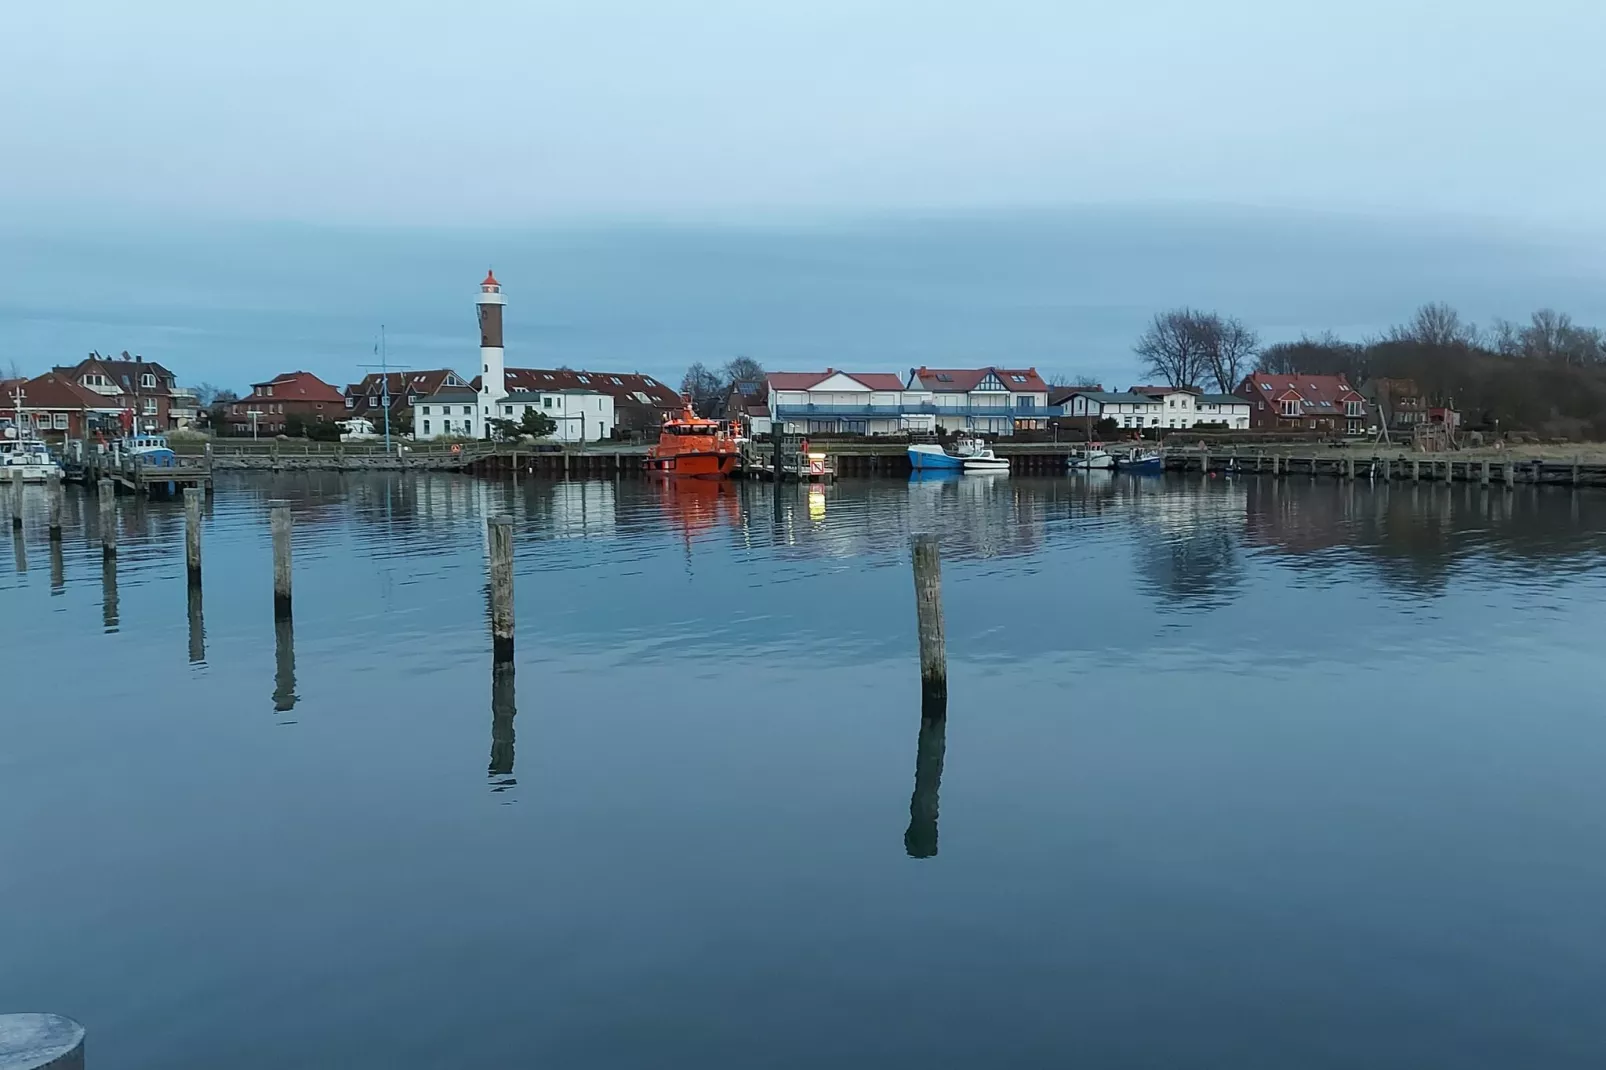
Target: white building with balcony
[[1129, 410], [580, 415], [864, 403], [995, 401]]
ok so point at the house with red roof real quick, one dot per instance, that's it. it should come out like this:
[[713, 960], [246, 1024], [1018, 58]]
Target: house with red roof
[[273, 401], [995, 401], [864, 403], [53, 405], [1320, 403], [367, 397], [145, 388]]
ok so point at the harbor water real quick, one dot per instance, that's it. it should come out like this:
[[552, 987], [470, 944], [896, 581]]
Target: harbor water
[[1247, 773]]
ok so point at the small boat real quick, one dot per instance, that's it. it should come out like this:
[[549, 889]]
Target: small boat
[[691, 447], [30, 458], [968, 455], [1089, 458], [151, 451], [1141, 461]]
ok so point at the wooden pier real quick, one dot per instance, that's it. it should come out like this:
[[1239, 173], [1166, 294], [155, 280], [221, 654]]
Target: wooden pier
[[1486, 471], [132, 475]]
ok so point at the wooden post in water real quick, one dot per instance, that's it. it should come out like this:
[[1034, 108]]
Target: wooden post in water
[[920, 839], [16, 499], [928, 613], [40, 1042], [1483, 478], [1349, 468], [1575, 471], [1274, 465], [1416, 470], [1536, 475], [53, 494], [777, 434], [500, 529], [279, 513], [108, 517], [1509, 475], [194, 500]]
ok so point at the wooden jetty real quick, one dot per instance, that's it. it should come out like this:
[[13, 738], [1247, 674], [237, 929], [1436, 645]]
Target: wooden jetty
[[134, 476], [1417, 468]]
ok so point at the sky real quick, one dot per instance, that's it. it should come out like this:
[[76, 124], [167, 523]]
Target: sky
[[429, 113]]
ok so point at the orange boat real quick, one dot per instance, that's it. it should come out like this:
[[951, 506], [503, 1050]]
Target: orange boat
[[693, 448]]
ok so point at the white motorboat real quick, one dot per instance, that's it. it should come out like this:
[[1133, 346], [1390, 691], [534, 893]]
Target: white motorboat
[[1089, 458], [28, 458], [968, 455]]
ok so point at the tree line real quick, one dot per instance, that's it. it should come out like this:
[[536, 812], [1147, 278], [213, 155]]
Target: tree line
[[708, 388], [1548, 374]]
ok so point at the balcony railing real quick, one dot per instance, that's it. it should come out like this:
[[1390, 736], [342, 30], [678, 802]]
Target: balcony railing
[[1040, 412]]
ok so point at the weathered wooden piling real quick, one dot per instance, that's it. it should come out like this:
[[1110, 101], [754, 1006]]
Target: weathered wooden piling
[[108, 516], [1536, 474], [1509, 475], [40, 1042], [1575, 471], [279, 513], [928, 613], [1349, 468], [1416, 470], [194, 501], [16, 499], [53, 497], [1274, 460], [1483, 478], [500, 530]]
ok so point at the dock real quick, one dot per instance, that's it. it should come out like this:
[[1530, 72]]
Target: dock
[[131, 475], [1413, 468]]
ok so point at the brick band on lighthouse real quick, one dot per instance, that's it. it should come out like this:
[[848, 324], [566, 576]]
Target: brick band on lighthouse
[[493, 378]]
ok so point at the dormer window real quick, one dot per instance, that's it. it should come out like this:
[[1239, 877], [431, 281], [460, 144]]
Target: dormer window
[[1017, 378], [1290, 408], [148, 381]]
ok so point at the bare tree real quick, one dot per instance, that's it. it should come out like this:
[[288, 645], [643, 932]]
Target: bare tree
[[1170, 348], [704, 387], [13, 370], [1435, 324], [1080, 382], [744, 370], [1505, 338], [1227, 347]]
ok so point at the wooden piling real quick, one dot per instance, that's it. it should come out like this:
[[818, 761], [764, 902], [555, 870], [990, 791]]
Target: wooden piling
[[194, 500], [1349, 468], [1416, 470], [1536, 474], [928, 613], [1508, 474], [1575, 471], [16, 499], [53, 495], [500, 529], [108, 516], [40, 1042], [279, 512], [1483, 478]]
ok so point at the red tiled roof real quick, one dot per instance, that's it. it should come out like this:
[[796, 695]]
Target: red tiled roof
[[964, 380], [53, 390], [123, 371], [301, 386], [402, 383], [809, 380], [1319, 395], [621, 385]]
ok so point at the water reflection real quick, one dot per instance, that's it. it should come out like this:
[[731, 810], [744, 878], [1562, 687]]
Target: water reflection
[[197, 625], [503, 711], [19, 551], [58, 569], [108, 591], [284, 665], [920, 839]]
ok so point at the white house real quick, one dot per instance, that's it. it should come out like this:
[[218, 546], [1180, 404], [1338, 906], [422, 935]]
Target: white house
[[1130, 410], [996, 401], [579, 414], [865, 403], [1228, 409]]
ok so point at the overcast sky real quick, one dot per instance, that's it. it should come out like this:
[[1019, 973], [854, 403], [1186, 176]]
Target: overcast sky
[[390, 111]]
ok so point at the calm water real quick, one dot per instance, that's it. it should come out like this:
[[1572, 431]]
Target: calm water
[[1242, 774]]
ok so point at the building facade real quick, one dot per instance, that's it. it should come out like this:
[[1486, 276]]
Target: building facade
[[367, 397], [54, 406], [1325, 404], [1130, 411], [270, 404], [1396, 404], [579, 415], [862, 403], [995, 401], [143, 387]]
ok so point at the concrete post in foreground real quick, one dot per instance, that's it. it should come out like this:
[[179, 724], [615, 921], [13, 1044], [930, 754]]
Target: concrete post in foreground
[[40, 1042], [194, 500], [280, 514], [108, 516], [53, 494], [928, 613], [500, 529], [16, 499]]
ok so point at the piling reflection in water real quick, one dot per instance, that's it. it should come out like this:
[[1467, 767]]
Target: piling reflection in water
[[108, 591], [284, 665], [920, 840], [58, 569], [197, 626], [19, 550], [503, 711]]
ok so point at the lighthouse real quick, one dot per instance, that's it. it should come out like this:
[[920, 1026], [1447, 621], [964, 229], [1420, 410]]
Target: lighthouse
[[493, 383]]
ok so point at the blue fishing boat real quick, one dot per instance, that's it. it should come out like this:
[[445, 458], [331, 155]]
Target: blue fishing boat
[[1141, 461], [968, 455]]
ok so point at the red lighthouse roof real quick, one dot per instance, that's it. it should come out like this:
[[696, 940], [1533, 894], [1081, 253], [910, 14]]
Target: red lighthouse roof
[[490, 280]]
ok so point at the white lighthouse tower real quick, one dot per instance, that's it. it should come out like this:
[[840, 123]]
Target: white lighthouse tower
[[493, 382]]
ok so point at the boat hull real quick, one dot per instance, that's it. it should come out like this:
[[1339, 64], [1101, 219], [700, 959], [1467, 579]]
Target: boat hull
[[31, 473], [695, 465], [1095, 462], [992, 464], [928, 458]]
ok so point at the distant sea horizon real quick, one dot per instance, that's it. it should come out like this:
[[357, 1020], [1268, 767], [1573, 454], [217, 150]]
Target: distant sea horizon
[[1065, 291]]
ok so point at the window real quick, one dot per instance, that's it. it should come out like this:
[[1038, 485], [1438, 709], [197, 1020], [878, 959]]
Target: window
[[1173, 403], [42, 419], [149, 407], [373, 403], [351, 403], [426, 424], [426, 413], [1261, 405], [1352, 408], [1265, 386], [546, 403], [1017, 378], [616, 380], [148, 381], [507, 410], [584, 379], [61, 421], [270, 391], [1290, 408]]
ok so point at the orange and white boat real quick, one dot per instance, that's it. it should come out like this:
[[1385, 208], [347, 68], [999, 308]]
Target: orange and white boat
[[694, 448]]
